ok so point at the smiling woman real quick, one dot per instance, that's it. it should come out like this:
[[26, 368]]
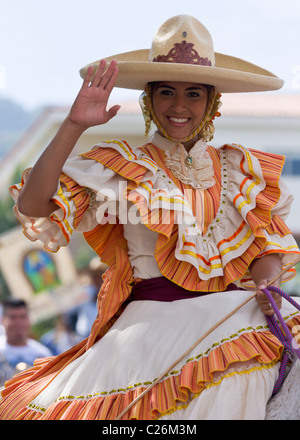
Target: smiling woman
[[179, 108], [210, 230], [201, 101]]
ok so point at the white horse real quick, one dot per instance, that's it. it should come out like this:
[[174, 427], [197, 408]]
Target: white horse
[[285, 405]]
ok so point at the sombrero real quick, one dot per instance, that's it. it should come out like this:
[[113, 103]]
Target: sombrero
[[182, 50]]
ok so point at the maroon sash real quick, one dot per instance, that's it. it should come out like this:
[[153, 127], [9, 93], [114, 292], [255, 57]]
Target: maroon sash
[[162, 289]]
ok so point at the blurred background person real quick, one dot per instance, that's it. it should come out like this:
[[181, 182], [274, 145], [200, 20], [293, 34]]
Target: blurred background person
[[61, 337], [17, 350], [6, 371], [91, 281]]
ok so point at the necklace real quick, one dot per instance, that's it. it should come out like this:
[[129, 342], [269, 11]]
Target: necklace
[[194, 168], [188, 161]]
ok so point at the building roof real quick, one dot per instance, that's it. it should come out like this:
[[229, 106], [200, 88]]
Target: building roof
[[261, 105]]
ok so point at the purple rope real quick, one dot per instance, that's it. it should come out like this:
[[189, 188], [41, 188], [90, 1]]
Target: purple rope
[[282, 369], [290, 345]]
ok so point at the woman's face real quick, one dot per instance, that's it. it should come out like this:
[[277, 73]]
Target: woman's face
[[179, 106]]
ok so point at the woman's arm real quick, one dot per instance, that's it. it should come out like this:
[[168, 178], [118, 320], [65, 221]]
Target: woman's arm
[[263, 270], [88, 109]]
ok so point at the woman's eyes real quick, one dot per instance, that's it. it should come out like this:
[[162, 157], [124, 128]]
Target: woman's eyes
[[195, 94], [190, 94], [166, 92]]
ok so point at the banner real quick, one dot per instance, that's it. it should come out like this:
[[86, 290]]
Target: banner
[[47, 281]]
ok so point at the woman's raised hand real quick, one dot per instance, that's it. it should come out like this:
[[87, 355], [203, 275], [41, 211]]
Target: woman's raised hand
[[89, 107]]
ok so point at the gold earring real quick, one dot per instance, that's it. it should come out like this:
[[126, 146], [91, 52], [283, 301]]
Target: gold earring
[[207, 132]]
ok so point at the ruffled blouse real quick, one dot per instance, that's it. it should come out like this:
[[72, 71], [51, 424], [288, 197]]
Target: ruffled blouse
[[124, 197]]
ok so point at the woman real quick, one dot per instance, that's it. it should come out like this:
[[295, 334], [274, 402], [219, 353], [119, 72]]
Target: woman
[[184, 228]]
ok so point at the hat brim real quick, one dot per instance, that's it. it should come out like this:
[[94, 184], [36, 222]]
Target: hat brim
[[229, 75]]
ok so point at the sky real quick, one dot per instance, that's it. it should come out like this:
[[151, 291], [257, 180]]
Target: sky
[[43, 44]]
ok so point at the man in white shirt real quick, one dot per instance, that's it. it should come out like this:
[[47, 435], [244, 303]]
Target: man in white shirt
[[17, 350]]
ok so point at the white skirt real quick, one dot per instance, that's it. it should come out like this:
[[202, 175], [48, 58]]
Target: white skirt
[[150, 335]]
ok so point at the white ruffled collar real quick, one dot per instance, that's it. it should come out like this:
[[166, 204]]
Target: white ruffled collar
[[194, 168]]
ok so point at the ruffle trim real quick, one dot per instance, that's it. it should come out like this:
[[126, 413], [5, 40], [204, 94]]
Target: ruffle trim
[[243, 229], [175, 391], [99, 408], [114, 292], [72, 202]]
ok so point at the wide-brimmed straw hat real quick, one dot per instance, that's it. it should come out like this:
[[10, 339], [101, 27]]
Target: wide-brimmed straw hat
[[182, 50]]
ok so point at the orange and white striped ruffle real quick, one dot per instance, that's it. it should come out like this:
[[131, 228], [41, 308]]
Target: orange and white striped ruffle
[[239, 224], [114, 292], [53, 232], [204, 249], [81, 391]]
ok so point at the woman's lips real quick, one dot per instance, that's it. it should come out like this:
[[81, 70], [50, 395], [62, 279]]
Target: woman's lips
[[178, 121]]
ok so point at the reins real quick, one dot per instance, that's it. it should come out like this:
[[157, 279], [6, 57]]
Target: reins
[[282, 333], [272, 322]]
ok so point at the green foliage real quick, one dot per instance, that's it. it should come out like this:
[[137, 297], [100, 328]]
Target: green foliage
[[4, 290], [7, 217]]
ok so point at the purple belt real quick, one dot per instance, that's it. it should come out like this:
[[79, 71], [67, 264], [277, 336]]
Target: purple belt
[[162, 289]]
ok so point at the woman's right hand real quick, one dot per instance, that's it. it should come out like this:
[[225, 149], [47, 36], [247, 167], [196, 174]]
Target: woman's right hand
[[89, 107]]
